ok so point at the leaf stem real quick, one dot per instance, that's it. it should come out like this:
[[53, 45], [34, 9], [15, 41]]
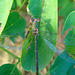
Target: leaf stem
[[22, 5], [14, 67], [10, 53]]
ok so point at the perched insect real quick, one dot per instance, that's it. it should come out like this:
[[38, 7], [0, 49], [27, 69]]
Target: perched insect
[[42, 34]]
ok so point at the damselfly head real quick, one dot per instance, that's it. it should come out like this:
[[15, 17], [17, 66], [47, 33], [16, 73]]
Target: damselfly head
[[38, 19], [31, 20], [35, 20]]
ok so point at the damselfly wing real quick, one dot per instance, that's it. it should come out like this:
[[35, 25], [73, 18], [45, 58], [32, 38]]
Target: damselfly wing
[[49, 39]]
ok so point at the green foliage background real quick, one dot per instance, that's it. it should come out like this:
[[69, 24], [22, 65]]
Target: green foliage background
[[13, 23]]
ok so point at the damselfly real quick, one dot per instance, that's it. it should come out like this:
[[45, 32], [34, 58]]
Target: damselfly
[[46, 40]]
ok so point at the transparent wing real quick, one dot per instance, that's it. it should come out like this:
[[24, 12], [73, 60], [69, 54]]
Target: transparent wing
[[46, 32], [43, 34], [6, 39], [17, 47], [49, 38], [66, 40], [60, 50]]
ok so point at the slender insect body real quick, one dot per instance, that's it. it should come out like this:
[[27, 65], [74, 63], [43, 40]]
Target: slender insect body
[[35, 32], [36, 56]]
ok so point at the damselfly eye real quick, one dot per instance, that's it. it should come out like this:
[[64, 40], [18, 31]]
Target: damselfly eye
[[38, 19], [31, 20]]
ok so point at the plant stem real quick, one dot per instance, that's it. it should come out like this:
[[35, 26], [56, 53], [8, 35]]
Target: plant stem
[[14, 67], [10, 53], [22, 5]]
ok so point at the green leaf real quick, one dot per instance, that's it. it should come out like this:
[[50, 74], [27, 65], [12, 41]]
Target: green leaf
[[26, 44], [5, 6], [69, 40], [71, 71], [49, 17], [66, 9], [45, 54], [14, 5], [49, 24], [35, 8], [15, 26], [62, 3], [9, 69], [70, 43], [61, 66], [19, 2], [70, 22]]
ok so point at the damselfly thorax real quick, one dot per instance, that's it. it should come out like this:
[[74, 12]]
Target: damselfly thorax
[[34, 25]]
